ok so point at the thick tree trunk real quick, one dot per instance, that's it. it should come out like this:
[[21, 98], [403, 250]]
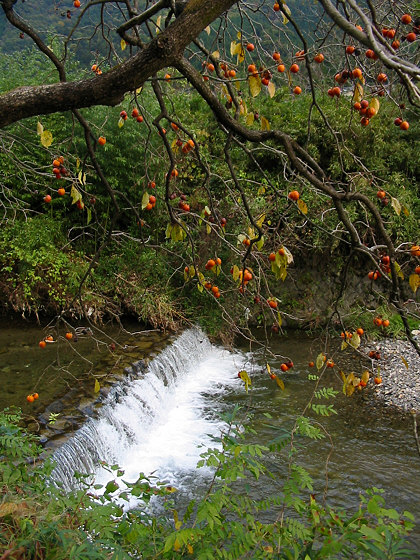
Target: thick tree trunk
[[109, 88]]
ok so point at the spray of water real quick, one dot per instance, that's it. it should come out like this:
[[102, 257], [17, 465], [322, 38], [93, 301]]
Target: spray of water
[[160, 422]]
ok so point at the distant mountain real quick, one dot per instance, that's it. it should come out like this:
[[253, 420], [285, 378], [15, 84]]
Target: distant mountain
[[50, 17]]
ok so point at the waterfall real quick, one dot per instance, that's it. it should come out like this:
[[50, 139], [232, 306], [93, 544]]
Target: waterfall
[[159, 422]]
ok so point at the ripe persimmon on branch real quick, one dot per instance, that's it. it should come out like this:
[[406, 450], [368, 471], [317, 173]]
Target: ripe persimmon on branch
[[350, 61]]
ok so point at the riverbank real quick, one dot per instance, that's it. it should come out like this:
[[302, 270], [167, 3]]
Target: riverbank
[[399, 368]]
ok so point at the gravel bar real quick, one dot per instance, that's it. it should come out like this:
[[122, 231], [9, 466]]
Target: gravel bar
[[400, 385]]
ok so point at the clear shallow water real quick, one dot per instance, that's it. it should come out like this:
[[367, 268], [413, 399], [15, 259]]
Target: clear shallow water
[[180, 410]]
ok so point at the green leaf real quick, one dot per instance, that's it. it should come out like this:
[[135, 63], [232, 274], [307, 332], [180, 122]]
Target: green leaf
[[112, 486], [89, 215]]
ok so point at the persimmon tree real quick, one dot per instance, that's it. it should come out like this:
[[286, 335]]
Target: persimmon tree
[[247, 61]]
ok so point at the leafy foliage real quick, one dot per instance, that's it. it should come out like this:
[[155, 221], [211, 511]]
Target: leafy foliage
[[90, 522]]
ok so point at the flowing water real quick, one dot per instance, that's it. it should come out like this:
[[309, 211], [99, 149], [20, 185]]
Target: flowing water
[[161, 421]]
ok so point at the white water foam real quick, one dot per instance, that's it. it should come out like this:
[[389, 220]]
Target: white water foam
[[160, 423]]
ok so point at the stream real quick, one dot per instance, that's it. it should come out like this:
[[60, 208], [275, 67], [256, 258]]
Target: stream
[[160, 420]]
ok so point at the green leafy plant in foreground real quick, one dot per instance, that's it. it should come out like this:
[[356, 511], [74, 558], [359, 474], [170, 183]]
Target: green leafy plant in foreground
[[40, 521]]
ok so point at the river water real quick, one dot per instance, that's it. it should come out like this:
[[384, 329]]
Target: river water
[[161, 421]]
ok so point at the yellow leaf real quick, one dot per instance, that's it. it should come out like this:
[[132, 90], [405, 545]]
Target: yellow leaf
[[395, 203], [207, 30], [46, 138], [375, 104], [344, 345], [260, 220], [241, 55], [261, 190], [279, 319], [355, 340], [254, 85], [350, 390], [271, 89], [138, 90], [398, 270], [39, 128], [82, 178], [250, 119], [365, 376], [177, 545], [280, 383], [97, 386], [190, 549], [265, 125], [7, 508], [406, 211], [414, 281], [260, 244], [120, 122], [358, 93], [215, 54], [320, 359], [145, 200], [123, 45], [289, 255], [239, 35], [158, 24], [245, 378], [302, 206], [208, 229], [288, 12], [342, 375], [235, 273], [268, 368], [404, 361], [75, 195]]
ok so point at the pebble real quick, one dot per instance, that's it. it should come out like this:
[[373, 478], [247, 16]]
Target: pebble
[[399, 368]]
